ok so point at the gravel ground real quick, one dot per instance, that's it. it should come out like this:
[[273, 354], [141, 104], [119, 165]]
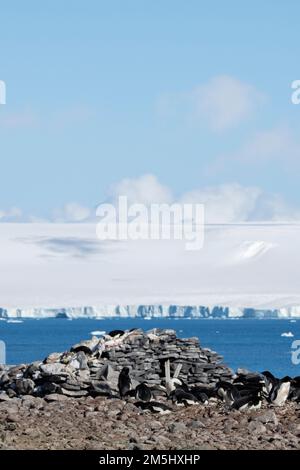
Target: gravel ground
[[100, 423]]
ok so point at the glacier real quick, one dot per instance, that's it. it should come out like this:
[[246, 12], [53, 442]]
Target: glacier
[[151, 311]]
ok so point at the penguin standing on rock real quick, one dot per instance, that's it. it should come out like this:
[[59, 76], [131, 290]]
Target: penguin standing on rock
[[280, 391], [124, 382], [270, 381]]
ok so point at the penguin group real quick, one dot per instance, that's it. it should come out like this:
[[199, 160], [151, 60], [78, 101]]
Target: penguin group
[[249, 390], [175, 389], [142, 392], [246, 391], [281, 390]]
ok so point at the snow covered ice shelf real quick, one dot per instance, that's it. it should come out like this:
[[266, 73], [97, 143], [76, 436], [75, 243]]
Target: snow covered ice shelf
[[55, 266]]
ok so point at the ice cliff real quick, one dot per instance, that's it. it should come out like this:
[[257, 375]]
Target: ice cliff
[[150, 311]]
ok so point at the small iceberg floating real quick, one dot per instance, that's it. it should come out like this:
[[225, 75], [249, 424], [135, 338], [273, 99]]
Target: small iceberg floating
[[98, 333], [15, 321], [288, 334]]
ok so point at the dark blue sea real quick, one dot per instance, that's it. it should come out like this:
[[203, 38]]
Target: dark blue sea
[[253, 344]]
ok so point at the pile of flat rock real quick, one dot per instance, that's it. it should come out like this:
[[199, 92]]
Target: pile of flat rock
[[79, 372]]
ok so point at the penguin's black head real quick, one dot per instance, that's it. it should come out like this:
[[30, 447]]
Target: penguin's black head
[[286, 379], [182, 386], [125, 371], [268, 374], [296, 381], [114, 333]]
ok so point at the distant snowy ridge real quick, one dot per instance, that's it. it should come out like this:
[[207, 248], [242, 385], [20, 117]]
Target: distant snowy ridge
[[150, 311]]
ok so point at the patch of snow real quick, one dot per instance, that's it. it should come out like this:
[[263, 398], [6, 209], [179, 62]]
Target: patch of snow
[[250, 250]]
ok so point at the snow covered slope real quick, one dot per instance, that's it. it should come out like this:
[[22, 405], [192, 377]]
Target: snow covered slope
[[56, 266]]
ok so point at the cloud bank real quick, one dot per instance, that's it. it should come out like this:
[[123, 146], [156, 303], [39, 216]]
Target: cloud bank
[[228, 203]]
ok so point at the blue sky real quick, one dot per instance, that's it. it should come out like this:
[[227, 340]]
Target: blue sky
[[196, 93]]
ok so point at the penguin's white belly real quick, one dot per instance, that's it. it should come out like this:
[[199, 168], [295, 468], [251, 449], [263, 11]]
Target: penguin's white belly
[[282, 394]]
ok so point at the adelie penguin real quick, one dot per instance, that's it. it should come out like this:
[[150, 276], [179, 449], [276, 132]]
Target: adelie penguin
[[116, 333], [280, 391], [182, 397], [250, 381], [228, 392], [269, 380], [154, 407], [294, 394], [201, 396], [143, 392], [124, 382], [209, 392], [248, 402]]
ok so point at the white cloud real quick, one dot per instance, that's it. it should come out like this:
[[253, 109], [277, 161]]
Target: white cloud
[[225, 101], [235, 203], [277, 144], [221, 103], [145, 189], [226, 203], [11, 215], [72, 212]]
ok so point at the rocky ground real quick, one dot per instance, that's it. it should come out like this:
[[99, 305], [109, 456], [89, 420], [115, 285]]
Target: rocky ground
[[101, 423]]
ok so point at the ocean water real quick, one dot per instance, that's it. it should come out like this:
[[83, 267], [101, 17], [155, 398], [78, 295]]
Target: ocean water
[[253, 344]]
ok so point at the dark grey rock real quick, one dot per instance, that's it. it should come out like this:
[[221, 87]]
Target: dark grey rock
[[24, 386]]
